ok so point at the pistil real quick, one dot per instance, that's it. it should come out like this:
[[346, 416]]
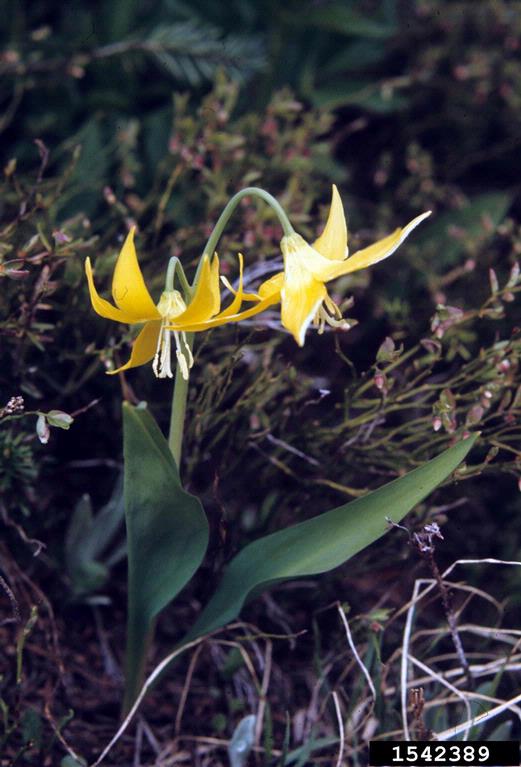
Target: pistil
[[170, 306]]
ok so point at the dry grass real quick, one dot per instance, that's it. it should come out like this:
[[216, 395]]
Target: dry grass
[[419, 681]]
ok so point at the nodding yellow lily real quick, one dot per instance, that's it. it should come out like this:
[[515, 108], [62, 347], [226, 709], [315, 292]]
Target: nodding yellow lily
[[171, 316], [301, 287]]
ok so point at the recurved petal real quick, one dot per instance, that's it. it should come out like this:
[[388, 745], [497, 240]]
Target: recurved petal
[[220, 320], [207, 299], [235, 305], [380, 250], [129, 291], [103, 307], [271, 287], [301, 297], [143, 348], [245, 296], [332, 243]]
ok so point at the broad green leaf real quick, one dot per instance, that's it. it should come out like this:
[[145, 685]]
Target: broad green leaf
[[363, 93], [301, 755], [85, 572], [340, 19], [353, 57], [88, 536], [322, 543], [106, 523], [167, 531]]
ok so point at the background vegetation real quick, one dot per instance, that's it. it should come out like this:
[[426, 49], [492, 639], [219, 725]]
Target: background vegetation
[[114, 113]]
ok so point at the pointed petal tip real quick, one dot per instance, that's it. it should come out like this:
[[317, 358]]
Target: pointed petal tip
[[129, 237], [335, 195], [406, 230], [332, 243]]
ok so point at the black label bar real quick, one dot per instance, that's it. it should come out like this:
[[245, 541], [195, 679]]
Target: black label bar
[[429, 753]]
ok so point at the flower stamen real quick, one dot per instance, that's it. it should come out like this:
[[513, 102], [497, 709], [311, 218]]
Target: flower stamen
[[170, 306], [323, 317]]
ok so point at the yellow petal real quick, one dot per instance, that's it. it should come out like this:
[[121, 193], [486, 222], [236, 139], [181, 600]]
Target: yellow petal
[[207, 299], [332, 243], [129, 291], [144, 347], [245, 296], [301, 297], [220, 320], [300, 256], [380, 250], [100, 305], [272, 286], [235, 305]]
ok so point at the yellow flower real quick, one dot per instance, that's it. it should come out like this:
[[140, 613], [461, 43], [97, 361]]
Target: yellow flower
[[301, 287], [171, 316]]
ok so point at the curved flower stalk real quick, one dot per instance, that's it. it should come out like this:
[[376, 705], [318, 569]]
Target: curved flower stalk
[[172, 316], [301, 286]]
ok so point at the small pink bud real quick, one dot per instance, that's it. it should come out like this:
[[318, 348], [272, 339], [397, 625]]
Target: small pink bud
[[109, 195], [60, 237]]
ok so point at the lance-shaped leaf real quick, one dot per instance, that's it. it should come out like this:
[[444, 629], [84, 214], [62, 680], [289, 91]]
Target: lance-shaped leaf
[[322, 543], [167, 532]]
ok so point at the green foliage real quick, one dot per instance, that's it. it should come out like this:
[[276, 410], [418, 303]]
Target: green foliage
[[427, 113], [324, 542], [18, 465], [87, 539], [167, 533], [192, 53]]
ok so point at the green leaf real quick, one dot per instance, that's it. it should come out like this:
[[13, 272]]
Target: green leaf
[[105, 524], [444, 238], [340, 19], [32, 727], [362, 92], [87, 537], [167, 532], [353, 57], [300, 755], [59, 419], [70, 761], [324, 542], [192, 52]]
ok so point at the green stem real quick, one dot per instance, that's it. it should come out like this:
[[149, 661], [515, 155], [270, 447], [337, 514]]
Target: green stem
[[139, 638], [174, 265], [138, 644], [178, 410], [177, 416], [249, 191]]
